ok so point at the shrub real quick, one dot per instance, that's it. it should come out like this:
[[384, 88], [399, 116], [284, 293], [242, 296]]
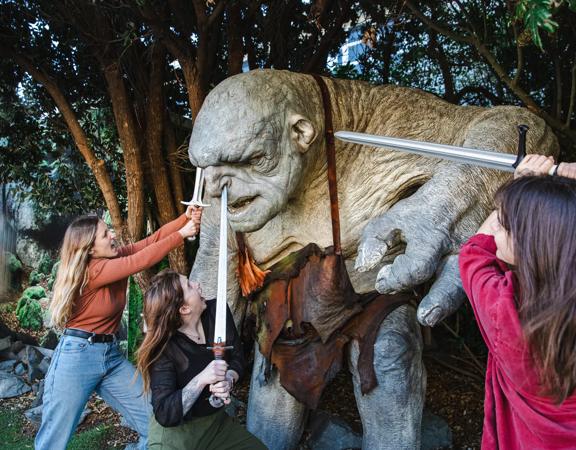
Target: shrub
[[14, 264], [35, 278], [29, 313], [53, 273], [45, 265], [34, 292]]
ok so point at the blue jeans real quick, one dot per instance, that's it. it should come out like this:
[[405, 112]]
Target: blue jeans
[[79, 368]]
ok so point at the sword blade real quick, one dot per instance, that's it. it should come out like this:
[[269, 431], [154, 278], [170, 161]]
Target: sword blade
[[476, 157], [220, 323]]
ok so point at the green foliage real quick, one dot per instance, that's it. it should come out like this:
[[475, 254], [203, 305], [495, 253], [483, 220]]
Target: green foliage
[[537, 14], [34, 292], [14, 264], [6, 307], [29, 313], [13, 437], [53, 273], [45, 265], [135, 304], [35, 278]]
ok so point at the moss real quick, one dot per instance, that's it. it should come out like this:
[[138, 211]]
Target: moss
[[45, 265], [35, 278], [34, 292], [29, 313], [14, 264]]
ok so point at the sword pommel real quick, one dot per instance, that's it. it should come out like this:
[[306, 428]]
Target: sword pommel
[[522, 130]]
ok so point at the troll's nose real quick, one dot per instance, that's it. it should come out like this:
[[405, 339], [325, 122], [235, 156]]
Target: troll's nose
[[216, 179]]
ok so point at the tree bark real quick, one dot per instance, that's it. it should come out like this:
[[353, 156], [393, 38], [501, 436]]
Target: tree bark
[[128, 133]]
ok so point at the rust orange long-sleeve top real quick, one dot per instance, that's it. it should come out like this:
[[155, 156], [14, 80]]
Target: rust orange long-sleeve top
[[99, 307]]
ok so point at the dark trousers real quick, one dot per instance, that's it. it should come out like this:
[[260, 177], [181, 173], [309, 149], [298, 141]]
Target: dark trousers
[[217, 431]]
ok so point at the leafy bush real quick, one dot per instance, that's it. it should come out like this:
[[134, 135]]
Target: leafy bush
[[14, 264], [35, 278], [34, 292], [29, 313], [53, 273], [45, 265]]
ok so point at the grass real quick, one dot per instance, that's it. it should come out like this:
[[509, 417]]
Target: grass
[[12, 437]]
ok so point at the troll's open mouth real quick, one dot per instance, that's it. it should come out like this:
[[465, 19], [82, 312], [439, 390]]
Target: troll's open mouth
[[240, 204]]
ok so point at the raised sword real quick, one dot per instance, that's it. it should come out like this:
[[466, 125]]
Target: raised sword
[[219, 344], [477, 157], [197, 195]]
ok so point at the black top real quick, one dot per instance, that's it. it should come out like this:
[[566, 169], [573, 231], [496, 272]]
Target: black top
[[181, 361]]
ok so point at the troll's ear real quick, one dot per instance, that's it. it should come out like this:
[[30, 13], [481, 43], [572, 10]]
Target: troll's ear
[[302, 132]]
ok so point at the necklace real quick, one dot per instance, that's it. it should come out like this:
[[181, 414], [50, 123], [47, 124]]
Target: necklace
[[193, 336]]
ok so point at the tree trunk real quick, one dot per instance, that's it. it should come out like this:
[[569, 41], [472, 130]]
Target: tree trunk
[[128, 134]]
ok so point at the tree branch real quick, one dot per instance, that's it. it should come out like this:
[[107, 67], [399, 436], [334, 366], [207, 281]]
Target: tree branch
[[481, 48], [80, 139]]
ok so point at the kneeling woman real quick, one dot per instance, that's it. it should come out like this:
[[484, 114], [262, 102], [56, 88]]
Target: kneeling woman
[[181, 372]]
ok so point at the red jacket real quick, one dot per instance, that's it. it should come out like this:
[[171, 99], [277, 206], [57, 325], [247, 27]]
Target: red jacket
[[516, 415]]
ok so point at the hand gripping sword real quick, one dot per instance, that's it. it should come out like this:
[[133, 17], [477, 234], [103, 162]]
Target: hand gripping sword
[[484, 158], [219, 346], [198, 194]]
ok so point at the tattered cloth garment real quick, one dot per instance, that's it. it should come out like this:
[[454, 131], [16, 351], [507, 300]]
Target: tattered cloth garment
[[306, 312]]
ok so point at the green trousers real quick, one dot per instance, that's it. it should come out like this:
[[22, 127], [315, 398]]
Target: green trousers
[[218, 432]]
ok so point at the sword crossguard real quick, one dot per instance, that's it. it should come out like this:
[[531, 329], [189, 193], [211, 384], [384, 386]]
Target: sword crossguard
[[194, 203]]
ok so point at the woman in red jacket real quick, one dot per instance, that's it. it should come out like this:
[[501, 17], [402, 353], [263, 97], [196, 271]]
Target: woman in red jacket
[[519, 275], [88, 300]]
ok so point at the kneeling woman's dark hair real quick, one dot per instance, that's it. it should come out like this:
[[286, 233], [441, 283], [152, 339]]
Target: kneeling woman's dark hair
[[539, 213], [162, 302]]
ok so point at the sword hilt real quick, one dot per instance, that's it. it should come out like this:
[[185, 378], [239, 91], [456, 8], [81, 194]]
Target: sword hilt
[[522, 130], [219, 350]]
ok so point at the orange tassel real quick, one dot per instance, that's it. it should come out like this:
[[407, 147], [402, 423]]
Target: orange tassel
[[250, 275]]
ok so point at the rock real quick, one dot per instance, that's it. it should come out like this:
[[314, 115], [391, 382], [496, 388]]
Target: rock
[[8, 366], [20, 368], [39, 388], [30, 252], [34, 414], [17, 346], [46, 352], [25, 338], [12, 386], [331, 433], [5, 342], [50, 339], [435, 432]]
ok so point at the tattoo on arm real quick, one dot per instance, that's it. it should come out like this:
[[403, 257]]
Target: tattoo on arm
[[190, 394]]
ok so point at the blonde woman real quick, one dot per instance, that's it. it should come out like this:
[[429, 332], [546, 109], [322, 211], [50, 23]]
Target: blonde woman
[[89, 297]]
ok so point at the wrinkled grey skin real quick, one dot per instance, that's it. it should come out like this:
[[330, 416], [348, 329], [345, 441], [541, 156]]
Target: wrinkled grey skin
[[403, 217]]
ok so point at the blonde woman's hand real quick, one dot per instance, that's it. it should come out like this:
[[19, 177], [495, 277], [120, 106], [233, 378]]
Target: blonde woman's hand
[[534, 165], [190, 229], [193, 211], [567, 170]]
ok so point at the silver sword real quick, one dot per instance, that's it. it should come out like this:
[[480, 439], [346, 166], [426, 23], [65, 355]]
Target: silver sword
[[219, 346], [484, 158], [198, 194]]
